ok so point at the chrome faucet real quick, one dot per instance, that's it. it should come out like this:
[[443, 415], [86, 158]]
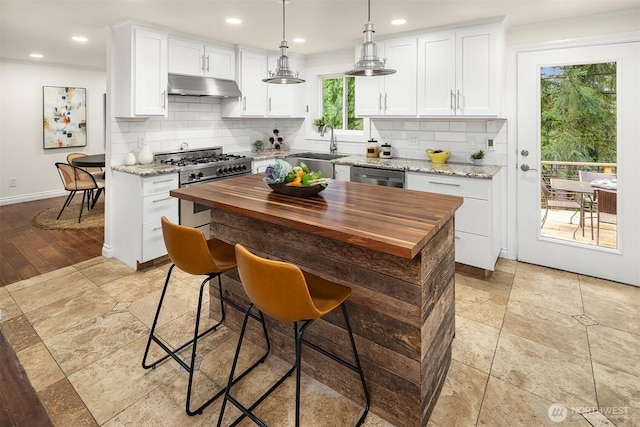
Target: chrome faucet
[[184, 146], [333, 144]]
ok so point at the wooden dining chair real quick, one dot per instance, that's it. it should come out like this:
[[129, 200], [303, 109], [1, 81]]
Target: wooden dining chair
[[77, 179], [97, 172]]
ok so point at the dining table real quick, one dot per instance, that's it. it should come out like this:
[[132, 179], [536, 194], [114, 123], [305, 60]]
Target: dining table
[[89, 161], [581, 189]]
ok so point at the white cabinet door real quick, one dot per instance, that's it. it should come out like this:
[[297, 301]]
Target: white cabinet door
[[395, 94], [150, 67], [459, 72], [477, 71], [280, 97], [342, 172], [186, 57], [220, 62], [436, 74], [400, 88], [258, 166], [140, 71], [253, 68]]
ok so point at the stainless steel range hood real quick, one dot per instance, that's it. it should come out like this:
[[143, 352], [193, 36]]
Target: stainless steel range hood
[[202, 86]]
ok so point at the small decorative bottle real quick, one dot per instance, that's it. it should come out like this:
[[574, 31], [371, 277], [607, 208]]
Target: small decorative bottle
[[145, 157]]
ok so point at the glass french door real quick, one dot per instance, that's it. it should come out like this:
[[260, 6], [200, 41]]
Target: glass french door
[[578, 110]]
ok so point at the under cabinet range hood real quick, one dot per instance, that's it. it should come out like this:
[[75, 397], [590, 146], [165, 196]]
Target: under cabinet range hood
[[202, 86]]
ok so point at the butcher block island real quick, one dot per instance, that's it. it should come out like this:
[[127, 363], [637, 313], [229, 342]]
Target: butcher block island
[[393, 247]]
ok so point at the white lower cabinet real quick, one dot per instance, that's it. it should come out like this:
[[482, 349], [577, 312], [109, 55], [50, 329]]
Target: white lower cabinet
[[342, 172], [139, 203], [478, 223], [258, 166]]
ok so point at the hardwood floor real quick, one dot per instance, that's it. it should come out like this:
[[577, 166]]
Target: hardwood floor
[[27, 251]]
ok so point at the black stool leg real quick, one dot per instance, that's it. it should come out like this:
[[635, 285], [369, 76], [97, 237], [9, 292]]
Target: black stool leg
[[154, 324]]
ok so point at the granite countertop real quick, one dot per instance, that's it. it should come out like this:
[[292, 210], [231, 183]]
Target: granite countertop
[[422, 166], [146, 170]]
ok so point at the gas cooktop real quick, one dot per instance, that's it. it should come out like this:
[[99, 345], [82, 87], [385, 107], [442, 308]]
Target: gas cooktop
[[205, 164]]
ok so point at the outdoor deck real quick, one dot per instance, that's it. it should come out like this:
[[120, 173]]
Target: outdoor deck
[[557, 226]]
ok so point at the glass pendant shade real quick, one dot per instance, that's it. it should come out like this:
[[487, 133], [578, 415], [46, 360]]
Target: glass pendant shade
[[369, 63], [283, 74]]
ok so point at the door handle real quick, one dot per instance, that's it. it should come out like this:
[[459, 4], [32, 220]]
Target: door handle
[[525, 168]]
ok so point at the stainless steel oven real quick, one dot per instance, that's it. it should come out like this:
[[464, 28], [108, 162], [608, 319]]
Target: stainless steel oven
[[199, 167]]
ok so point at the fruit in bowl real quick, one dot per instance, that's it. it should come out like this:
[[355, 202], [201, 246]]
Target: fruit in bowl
[[438, 156], [296, 181]]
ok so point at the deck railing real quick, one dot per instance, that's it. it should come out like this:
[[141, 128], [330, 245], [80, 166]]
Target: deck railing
[[569, 170]]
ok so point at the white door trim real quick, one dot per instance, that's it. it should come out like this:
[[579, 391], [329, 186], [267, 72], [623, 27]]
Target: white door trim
[[512, 102]]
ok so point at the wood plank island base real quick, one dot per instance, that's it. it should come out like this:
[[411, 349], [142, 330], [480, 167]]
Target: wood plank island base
[[393, 247]]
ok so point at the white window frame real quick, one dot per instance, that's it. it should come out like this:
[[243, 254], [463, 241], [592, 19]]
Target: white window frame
[[355, 134]]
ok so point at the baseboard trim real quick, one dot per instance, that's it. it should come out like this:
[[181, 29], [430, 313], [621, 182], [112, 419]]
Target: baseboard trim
[[31, 197]]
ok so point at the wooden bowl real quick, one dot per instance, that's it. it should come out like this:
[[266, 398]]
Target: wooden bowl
[[291, 190], [438, 158]]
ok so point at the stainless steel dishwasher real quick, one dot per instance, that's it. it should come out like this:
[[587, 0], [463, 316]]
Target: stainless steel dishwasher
[[386, 177]]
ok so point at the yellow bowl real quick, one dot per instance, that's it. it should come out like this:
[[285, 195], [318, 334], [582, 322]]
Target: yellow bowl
[[439, 158]]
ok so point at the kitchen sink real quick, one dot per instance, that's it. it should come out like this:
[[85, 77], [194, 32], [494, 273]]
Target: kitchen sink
[[316, 162], [318, 156]]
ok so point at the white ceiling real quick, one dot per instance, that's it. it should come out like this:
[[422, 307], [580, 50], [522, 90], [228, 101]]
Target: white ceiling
[[46, 27]]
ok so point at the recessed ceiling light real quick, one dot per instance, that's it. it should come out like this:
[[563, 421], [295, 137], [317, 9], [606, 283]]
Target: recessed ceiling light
[[36, 55], [399, 21], [81, 39], [233, 21], [299, 40]]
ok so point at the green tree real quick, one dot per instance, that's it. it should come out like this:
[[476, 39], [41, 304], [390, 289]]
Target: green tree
[[578, 113], [332, 96]]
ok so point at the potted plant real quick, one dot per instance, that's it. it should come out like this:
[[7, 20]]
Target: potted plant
[[258, 144], [318, 123], [477, 157]]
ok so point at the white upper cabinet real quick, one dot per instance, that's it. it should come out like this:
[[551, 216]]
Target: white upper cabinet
[[394, 94], [196, 58], [140, 71], [260, 99], [459, 72]]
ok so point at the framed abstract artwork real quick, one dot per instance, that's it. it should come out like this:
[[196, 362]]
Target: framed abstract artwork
[[65, 116]]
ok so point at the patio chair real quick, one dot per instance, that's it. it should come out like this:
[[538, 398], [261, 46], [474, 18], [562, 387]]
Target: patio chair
[[558, 200], [607, 208], [589, 176]]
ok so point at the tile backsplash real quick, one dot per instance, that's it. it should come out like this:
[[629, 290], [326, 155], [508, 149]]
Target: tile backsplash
[[197, 121]]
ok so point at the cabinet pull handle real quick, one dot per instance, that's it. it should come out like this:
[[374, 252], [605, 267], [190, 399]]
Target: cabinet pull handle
[[269, 104], [207, 63], [451, 100], [160, 182], [444, 183], [458, 100], [157, 228], [380, 102], [202, 62], [457, 237], [244, 103], [164, 99], [163, 200], [385, 101]]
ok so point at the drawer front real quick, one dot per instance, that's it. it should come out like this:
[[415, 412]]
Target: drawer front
[[473, 217], [158, 205], [455, 186], [159, 184], [474, 250], [152, 241]]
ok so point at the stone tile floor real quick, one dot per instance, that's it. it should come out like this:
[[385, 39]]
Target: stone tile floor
[[533, 346]]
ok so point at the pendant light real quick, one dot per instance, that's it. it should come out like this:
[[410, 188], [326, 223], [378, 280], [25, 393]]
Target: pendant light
[[369, 64], [283, 74]]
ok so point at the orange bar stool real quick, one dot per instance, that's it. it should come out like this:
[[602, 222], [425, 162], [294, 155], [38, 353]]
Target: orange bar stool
[[287, 294], [192, 253]]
